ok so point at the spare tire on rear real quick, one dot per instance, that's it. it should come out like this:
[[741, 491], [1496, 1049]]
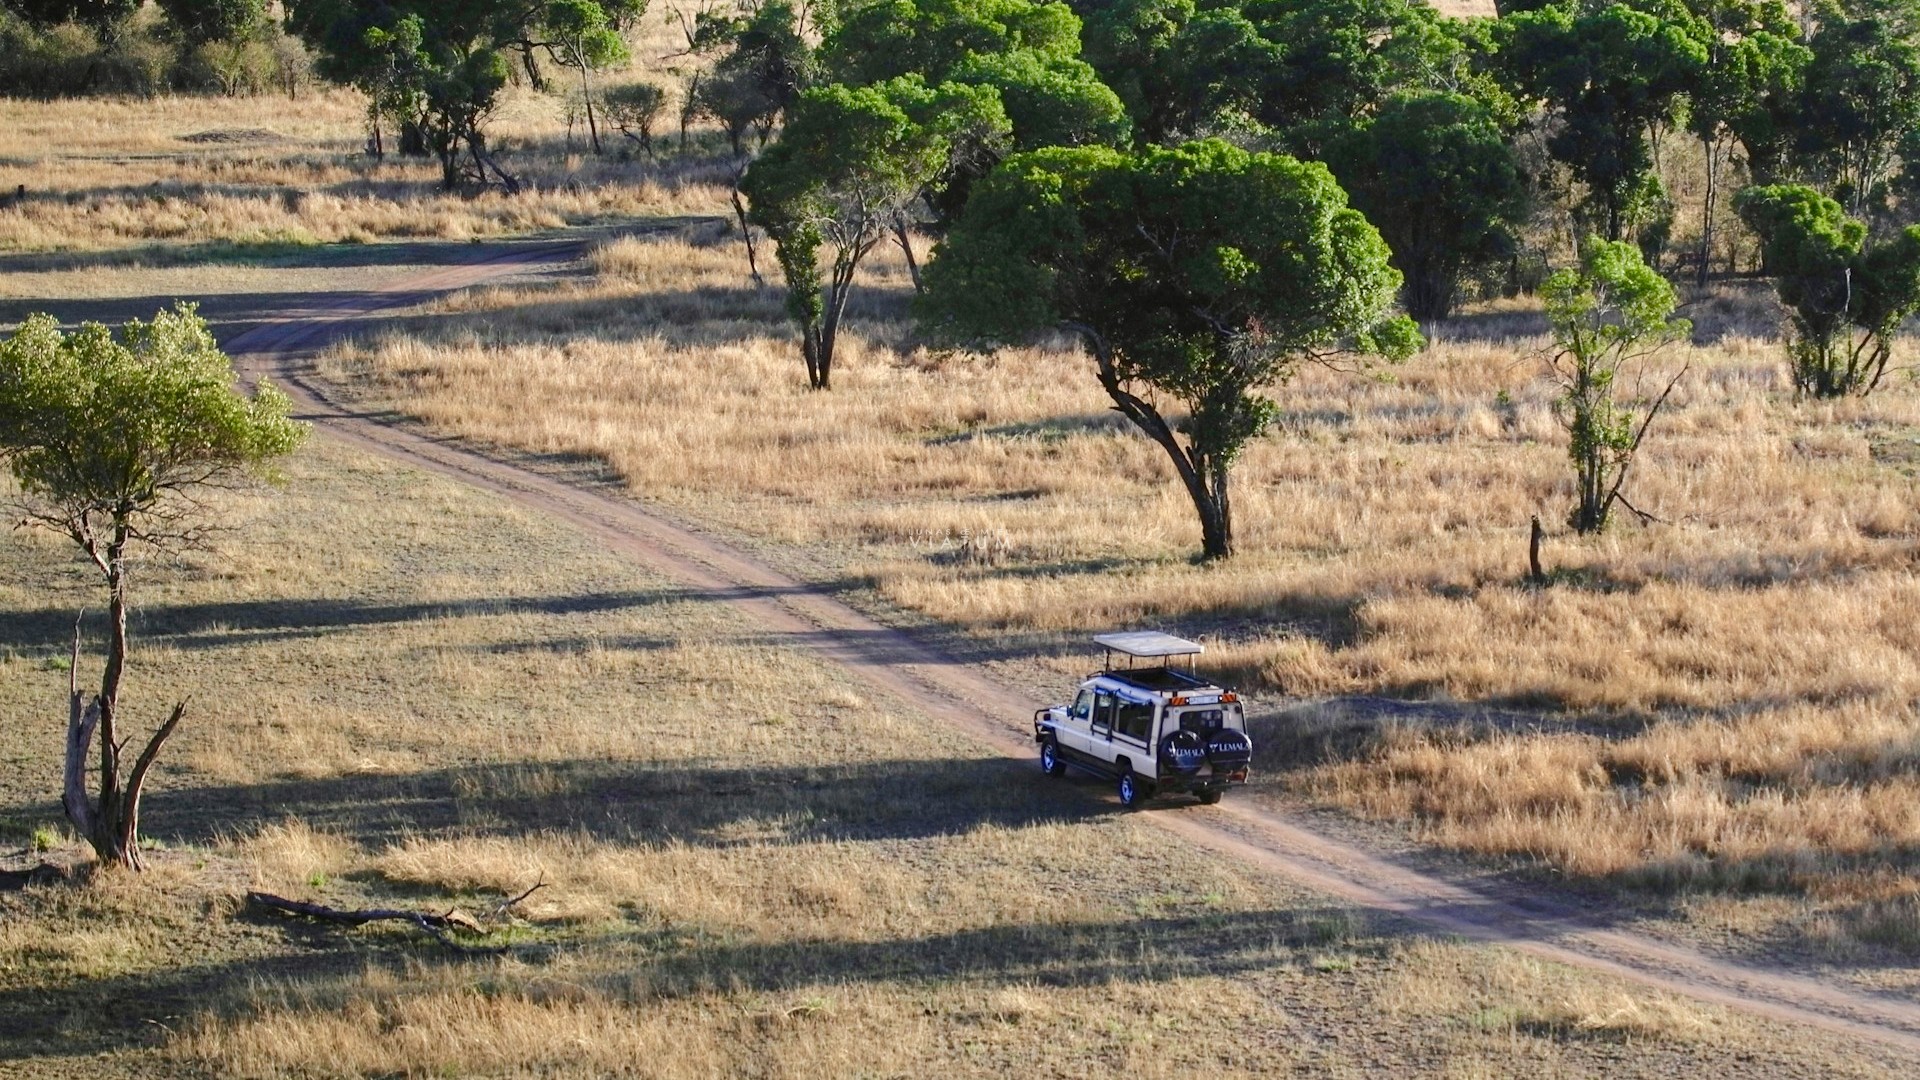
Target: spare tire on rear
[[1228, 750], [1183, 751]]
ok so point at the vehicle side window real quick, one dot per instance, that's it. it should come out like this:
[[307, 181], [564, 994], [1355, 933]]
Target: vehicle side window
[[1082, 706], [1102, 709], [1134, 721]]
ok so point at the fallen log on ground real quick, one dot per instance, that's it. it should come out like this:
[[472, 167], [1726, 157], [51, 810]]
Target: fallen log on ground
[[436, 926]]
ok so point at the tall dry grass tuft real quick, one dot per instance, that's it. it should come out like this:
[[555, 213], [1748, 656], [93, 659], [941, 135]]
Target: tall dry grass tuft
[[1803, 799]]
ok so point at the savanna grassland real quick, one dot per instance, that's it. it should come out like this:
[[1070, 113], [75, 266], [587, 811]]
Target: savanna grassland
[[190, 178], [750, 867], [406, 693], [1716, 700]]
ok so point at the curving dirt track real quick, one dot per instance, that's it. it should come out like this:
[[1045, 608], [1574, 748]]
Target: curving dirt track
[[909, 669]]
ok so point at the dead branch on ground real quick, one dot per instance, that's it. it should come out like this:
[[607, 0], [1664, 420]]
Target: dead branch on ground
[[440, 926]]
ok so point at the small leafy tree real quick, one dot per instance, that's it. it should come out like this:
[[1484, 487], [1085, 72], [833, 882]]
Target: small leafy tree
[[1049, 101], [1846, 296], [108, 437], [579, 34], [439, 65], [633, 109], [1026, 51], [1607, 314], [844, 170], [767, 64], [1196, 276], [1433, 172]]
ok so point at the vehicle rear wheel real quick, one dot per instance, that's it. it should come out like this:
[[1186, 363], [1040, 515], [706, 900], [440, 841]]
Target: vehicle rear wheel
[[1050, 762], [1209, 797], [1132, 791]]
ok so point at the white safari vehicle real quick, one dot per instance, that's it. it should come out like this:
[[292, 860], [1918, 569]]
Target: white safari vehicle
[[1152, 726]]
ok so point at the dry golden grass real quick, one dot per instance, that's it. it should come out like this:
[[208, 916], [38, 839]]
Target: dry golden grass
[[1489, 991], [136, 175], [751, 867], [104, 129], [1801, 799], [1736, 679]]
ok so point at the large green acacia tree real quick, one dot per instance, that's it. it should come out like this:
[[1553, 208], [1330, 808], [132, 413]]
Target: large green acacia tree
[[845, 168], [1196, 276], [1861, 99], [108, 437], [1302, 70], [1433, 172], [1846, 296], [1026, 51], [1745, 92], [1612, 73]]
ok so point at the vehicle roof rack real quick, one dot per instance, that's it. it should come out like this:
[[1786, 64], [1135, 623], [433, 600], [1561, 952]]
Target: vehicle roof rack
[[1146, 645]]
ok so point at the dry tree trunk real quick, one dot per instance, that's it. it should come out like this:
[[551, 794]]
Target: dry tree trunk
[[110, 822], [82, 718], [903, 236], [1534, 571]]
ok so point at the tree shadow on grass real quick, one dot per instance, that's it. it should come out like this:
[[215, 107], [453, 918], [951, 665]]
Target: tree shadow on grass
[[230, 314], [277, 254], [1195, 942], [221, 624], [701, 803], [698, 316], [227, 315], [76, 1018], [80, 1018]]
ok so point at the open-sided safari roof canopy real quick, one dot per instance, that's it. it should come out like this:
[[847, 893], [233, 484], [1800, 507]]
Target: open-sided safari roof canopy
[[1146, 645]]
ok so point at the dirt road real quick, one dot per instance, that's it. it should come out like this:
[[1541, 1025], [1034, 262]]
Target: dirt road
[[919, 675]]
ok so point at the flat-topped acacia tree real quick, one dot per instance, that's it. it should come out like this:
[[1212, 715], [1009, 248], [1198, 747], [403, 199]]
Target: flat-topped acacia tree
[[1196, 276], [108, 438]]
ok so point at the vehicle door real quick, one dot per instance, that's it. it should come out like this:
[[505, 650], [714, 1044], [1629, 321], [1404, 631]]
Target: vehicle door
[[1075, 732], [1130, 735], [1100, 731]]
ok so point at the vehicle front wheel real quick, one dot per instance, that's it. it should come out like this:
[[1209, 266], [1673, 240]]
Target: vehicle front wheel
[[1132, 791], [1050, 762]]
